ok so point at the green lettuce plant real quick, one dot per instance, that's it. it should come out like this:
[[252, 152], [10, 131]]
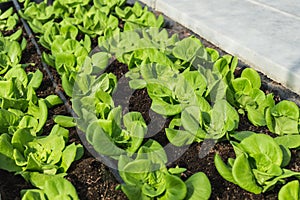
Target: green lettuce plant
[[170, 91], [36, 14], [10, 51], [96, 23], [92, 97], [68, 56], [49, 187], [283, 118], [259, 162], [108, 138], [8, 19], [250, 98], [188, 50], [53, 31], [23, 152], [197, 123], [106, 129], [220, 76], [146, 177], [136, 17], [140, 47], [17, 95], [218, 71]]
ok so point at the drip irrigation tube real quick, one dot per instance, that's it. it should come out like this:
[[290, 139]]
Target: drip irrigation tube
[[111, 163]]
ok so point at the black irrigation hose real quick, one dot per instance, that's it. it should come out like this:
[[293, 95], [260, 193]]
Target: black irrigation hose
[[111, 164]]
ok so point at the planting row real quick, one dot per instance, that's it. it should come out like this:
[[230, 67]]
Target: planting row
[[198, 92], [25, 149], [190, 85]]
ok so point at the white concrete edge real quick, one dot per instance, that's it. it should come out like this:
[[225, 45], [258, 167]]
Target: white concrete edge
[[273, 70]]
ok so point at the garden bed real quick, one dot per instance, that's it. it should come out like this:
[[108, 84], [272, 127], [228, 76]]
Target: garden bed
[[94, 180]]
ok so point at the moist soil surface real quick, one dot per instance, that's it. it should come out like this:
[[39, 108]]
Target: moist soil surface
[[93, 180]]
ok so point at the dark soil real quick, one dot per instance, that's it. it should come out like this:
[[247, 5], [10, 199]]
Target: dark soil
[[93, 180]]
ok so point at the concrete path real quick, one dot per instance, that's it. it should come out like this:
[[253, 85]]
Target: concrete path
[[263, 33]]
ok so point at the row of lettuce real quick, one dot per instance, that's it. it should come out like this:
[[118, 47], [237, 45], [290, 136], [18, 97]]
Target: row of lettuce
[[203, 99], [192, 85], [40, 158]]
